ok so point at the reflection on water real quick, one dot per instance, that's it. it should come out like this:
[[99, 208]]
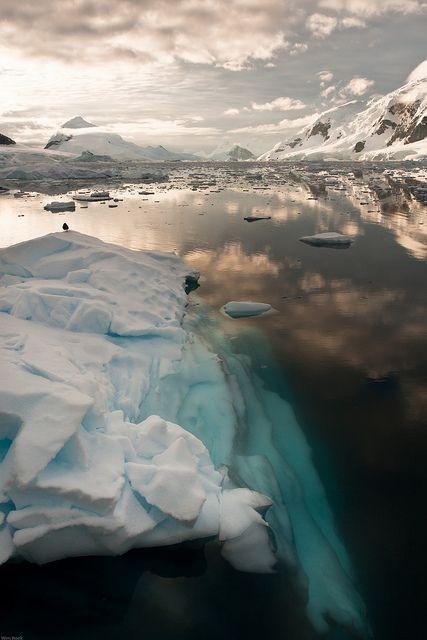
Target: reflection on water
[[350, 337]]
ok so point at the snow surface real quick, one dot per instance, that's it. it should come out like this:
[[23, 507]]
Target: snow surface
[[100, 363]]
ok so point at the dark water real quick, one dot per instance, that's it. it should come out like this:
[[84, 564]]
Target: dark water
[[350, 339]]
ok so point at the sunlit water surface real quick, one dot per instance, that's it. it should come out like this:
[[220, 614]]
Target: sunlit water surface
[[350, 341]]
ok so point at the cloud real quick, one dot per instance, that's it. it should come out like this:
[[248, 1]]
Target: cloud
[[233, 34], [324, 77], [284, 126], [352, 23], [357, 87], [371, 8], [329, 91], [298, 47], [220, 33], [195, 118], [321, 25], [279, 104], [231, 112]]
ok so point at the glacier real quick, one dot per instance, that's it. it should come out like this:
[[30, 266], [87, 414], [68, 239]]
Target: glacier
[[128, 420]]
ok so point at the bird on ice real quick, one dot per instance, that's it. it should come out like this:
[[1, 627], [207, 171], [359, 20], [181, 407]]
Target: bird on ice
[[65, 226]]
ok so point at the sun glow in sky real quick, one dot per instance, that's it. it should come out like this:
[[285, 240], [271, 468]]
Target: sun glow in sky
[[192, 74]]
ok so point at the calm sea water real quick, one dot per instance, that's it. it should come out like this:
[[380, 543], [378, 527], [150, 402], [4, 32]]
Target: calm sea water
[[350, 339]]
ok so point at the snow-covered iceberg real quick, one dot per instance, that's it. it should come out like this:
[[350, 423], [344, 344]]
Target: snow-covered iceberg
[[86, 330], [127, 420]]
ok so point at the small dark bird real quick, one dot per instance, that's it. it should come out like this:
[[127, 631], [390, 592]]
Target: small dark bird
[[65, 226]]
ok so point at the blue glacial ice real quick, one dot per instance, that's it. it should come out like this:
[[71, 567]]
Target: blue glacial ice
[[128, 421]]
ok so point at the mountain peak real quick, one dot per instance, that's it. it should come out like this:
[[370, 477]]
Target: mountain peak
[[231, 152], [419, 73], [4, 140], [77, 123]]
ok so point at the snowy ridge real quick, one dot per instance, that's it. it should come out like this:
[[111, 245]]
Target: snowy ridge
[[392, 127], [103, 143]]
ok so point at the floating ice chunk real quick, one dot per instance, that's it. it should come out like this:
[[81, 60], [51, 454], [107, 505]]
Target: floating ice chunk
[[255, 218], [328, 239], [60, 206], [245, 309], [95, 196]]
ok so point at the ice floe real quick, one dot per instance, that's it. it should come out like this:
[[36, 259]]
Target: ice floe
[[60, 206], [242, 309], [328, 239], [255, 218]]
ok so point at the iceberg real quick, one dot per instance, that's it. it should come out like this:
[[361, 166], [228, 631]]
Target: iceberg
[[128, 420], [87, 329]]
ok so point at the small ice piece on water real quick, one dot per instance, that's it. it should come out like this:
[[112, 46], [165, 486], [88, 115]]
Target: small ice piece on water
[[246, 309], [60, 206], [255, 218], [328, 239], [95, 196]]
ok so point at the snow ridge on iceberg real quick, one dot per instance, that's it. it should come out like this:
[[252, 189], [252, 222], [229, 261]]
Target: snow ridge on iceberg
[[87, 330]]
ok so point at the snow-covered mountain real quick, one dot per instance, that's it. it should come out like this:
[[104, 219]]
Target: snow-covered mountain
[[390, 127], [4, 140], [233, 152], [101, 143], [77, 123]]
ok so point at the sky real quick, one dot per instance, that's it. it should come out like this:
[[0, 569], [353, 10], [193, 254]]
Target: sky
[[195, 75]]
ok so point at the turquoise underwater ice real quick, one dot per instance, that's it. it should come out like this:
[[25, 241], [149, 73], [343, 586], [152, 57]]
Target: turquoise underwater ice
[[248, 426]]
